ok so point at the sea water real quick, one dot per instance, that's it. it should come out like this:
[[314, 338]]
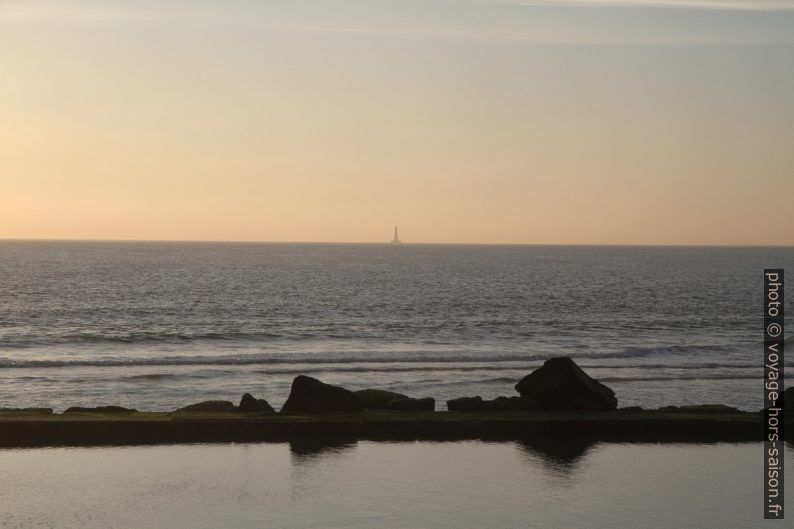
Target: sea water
[[386, 485], [159, 325]]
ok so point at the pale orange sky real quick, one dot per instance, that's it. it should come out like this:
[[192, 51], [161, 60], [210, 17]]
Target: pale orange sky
[[595, 122]]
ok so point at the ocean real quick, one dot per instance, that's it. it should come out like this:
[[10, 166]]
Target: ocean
[[158, 325]]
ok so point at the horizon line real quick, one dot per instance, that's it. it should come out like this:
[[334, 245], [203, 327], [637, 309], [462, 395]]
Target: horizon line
[[259, 241]]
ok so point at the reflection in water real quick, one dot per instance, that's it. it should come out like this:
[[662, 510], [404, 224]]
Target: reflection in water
[[495, 485], [558, 458], [308, 450], [317, 464], [561, 454]]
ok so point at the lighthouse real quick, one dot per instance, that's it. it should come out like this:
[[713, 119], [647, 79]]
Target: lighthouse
[[396, 239]]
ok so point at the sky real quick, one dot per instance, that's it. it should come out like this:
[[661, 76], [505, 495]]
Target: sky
[[461, 121]]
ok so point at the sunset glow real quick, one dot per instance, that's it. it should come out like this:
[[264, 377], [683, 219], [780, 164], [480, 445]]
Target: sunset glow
[[596, 122]]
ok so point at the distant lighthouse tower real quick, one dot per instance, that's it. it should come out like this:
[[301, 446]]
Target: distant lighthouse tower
[[396, 239]]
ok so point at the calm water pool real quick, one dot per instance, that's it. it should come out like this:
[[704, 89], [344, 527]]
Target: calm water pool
[[385, 485]]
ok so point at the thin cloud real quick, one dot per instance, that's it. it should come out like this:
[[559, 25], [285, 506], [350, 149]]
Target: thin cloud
[[57, 14], [728, 5], [60, 12]]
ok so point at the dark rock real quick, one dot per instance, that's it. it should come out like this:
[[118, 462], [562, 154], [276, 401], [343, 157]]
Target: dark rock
[[702, 408], [210, 405], [499, 404], [465, 404], [377, 399], [409, 404], [788, 401], [508, 404], [34, 411], [100, 409], [560, 384], [310, 396], [250, 404]]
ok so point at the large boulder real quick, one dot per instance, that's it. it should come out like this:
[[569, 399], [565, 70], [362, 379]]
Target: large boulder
[[560, 384], [250, 404], [377, 399], [210, 405], [409, 404], [310, 396]]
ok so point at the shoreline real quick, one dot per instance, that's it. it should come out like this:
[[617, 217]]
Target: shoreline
[[30, 429]]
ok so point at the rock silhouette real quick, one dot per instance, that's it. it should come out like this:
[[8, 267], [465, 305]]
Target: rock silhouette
[[250, 404], [499, 404], [32, 411], [380, 399], [210, 405], [465, 404], [100, 409], [377, 399], [310, 396], [560, 384], [409, 404]]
